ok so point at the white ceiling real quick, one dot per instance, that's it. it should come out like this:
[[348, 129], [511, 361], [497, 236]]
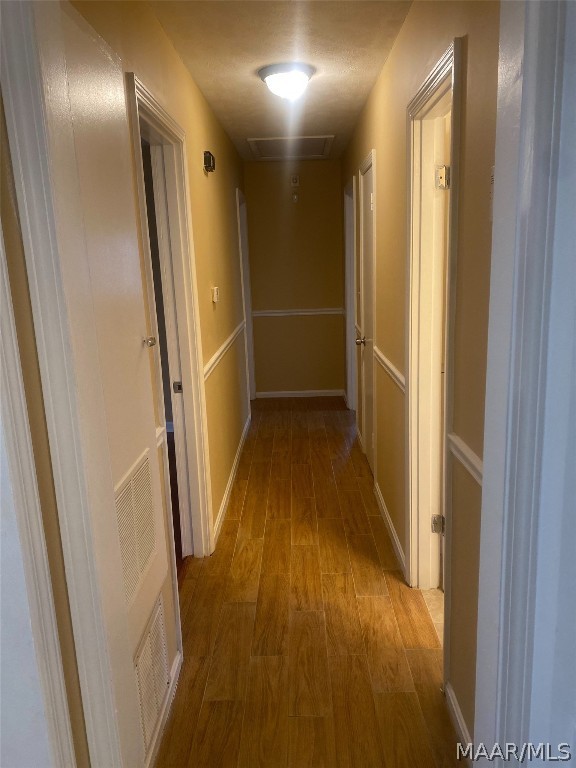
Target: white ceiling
[[225, 42]]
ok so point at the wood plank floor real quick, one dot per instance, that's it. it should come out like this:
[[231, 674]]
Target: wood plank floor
[[302, 644]]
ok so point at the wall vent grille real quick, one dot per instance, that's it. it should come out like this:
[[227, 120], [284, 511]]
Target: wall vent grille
[[296, 147], [152, 675], [135, 519]]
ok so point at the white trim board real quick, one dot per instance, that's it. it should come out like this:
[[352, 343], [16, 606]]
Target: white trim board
[[298, 312], [390, 368], [304, 393], [232, 477], [466, 456], [219, 354], [399, 552], [22, 470]]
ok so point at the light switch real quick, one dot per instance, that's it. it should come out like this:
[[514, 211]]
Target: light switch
[[215, 294]]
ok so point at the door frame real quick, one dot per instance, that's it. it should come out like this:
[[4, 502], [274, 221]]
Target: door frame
[[57, 267], [28, 512], [523, 671], [350, 234], [420, 472], [192, 449], [368, 162], [246, 295]]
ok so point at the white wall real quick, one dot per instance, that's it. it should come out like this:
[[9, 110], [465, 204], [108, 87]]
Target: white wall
[[24, 738]]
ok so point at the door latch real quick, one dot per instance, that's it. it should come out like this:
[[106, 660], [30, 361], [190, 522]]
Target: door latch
[[177, 387]]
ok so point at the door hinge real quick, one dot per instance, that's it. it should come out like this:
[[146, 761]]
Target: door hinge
[[442, 177], [438, 524], [177, 387], [371, 201]]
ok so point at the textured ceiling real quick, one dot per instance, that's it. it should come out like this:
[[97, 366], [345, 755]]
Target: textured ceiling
[[225, 42]]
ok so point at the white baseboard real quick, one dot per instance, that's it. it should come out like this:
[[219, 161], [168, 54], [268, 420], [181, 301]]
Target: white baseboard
[[228, 491], [457, 717], [305, 393], [157, 738], [391, 530]]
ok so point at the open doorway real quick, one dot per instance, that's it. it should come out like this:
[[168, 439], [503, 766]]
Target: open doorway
[[365, 289], [169, 377], [173, 322], [350, 266], [432, 206]]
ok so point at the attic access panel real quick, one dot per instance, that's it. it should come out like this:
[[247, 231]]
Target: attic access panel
[[293, 147]]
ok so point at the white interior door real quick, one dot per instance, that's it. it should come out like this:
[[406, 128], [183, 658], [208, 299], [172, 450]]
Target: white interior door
[[365, 341], [246, 289], [134, 524], [350, 266]]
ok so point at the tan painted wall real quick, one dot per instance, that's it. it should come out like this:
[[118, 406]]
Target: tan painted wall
[[226, 401], [299, 353], [427, 32], [39, 433], [296, 262], [132, 30]]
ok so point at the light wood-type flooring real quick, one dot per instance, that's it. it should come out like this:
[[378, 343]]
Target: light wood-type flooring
[[302, 644]]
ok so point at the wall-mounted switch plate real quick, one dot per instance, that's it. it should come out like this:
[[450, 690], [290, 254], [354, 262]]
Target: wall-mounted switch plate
[[215, 295]]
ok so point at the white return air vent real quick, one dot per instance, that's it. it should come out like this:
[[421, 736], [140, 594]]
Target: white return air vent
[[297, 147], [152, 676], [135, 518]]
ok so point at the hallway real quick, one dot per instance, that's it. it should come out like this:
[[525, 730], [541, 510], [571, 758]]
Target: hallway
[[302, 645]]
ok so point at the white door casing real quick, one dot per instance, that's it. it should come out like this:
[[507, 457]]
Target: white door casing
[[367, 290], [430, 306]]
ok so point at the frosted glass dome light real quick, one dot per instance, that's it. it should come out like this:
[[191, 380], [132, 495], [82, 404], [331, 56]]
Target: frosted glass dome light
[[289, 81]]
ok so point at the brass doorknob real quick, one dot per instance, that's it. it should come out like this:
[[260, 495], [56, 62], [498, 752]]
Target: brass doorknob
[[361, 341]]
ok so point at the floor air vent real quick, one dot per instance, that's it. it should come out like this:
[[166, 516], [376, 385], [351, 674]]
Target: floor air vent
[[152, 676]]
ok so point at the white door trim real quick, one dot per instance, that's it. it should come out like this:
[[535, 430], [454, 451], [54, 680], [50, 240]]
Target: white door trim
[[350, 229], [246, 296], [198, 532], [529, 385], [69, 416], [22, 469], [422, 546]]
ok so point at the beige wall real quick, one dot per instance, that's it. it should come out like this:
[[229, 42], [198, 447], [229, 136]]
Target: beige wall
[[227, 402], [427, 32], [134, 33], [39, 434], [297, 262]]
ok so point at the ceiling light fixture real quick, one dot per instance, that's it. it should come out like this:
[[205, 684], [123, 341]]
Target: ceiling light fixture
[[289, 80]]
